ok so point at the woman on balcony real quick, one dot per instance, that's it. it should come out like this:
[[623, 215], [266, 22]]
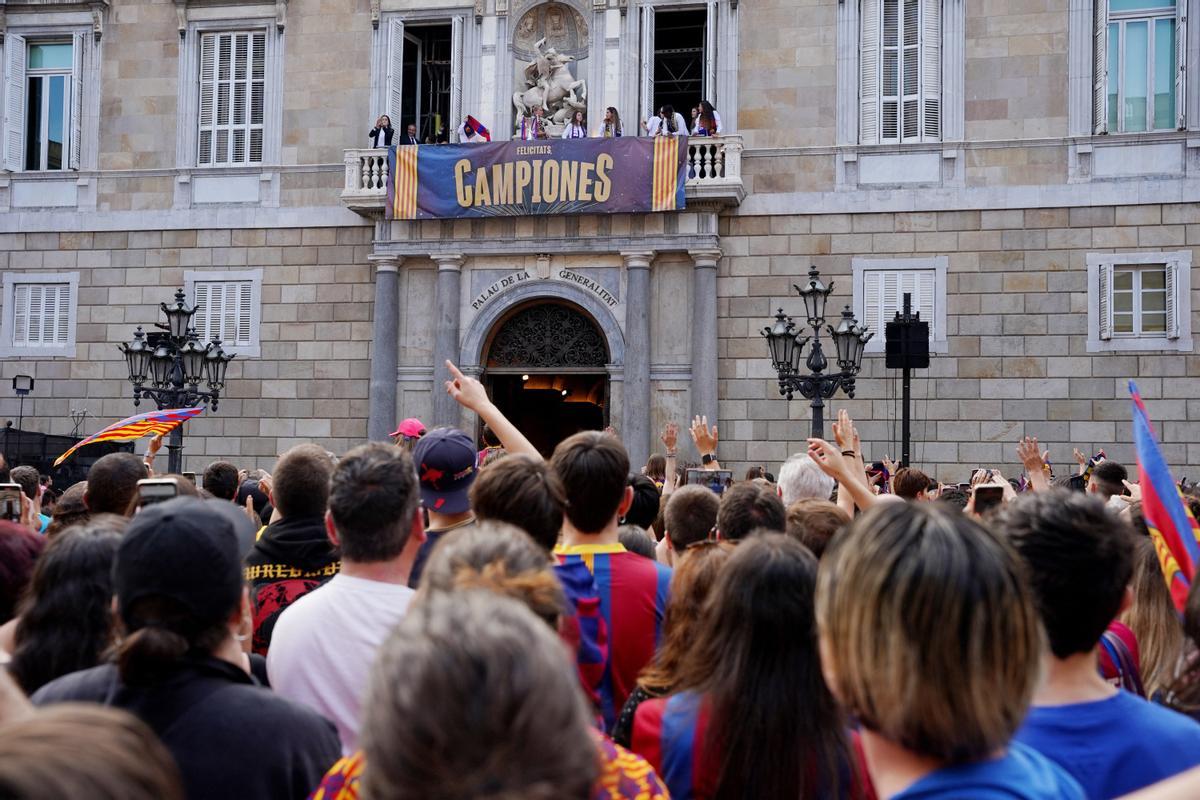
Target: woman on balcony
[[577, 127], [381, 134]]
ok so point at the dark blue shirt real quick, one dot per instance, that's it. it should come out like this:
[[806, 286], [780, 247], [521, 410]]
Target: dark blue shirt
[[1021, 774], [1114, 746]]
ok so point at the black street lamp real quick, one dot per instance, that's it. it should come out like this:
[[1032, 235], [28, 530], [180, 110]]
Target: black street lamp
[[175, 362], [786, 345]]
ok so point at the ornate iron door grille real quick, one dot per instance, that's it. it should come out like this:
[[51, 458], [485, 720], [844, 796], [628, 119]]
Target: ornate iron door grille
[[548, 336]]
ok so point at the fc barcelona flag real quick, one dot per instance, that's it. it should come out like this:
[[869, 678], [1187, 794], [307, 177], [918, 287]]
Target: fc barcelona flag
[[152, 423], [545, 176], [1172, 527]]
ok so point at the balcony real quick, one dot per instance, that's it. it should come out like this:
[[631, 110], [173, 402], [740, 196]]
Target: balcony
[[715, 175]]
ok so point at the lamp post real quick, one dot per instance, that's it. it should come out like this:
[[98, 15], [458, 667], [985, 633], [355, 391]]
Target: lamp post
[[786, 346], [167, 366]]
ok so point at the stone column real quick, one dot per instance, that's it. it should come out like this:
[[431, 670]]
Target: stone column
[[635, 428], [445, 334], [385, 347], [704, 334]]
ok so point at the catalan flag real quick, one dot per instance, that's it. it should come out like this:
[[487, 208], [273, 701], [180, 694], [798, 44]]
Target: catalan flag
[[402, 182], [670, 171], [1172, 527], [151, 423]]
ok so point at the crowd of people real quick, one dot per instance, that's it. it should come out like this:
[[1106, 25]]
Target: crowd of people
[[438, 617], [705, 121]]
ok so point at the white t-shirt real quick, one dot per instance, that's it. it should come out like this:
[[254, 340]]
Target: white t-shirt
[[324, 644]]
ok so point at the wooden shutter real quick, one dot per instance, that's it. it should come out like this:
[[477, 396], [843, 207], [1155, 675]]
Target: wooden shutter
[[911, 70], [257, 90], [395, 72], [1172, 282], [872, 304], [208, 93], [709, 88], [647, 63], [241, 331], [203, 300], [868, 118], [77, 45], [1104, 328], [1100, 68], [62, 323], [456, 75], [14, 101], [50, 311], [1181, 59], [931, 70], [21, 304]]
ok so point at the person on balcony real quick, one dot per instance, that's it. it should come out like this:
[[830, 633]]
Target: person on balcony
[[381, 134], [410, 135], [669, 122], [612, 124], [708, 121], [533, 127], [577, 127]]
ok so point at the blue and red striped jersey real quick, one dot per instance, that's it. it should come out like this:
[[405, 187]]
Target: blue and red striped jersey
[[633, 594]]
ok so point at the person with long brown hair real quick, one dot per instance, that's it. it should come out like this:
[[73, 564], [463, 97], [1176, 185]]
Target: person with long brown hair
[[696, 572], [751, 715], [1153, 620]]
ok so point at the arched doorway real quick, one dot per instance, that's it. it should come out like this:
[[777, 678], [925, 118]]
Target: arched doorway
[[545, 364]]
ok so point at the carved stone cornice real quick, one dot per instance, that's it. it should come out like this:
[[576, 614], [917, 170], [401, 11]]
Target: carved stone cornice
[[280, 8], [97, 8]]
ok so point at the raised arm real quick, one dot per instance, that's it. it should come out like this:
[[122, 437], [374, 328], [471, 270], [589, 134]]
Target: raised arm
[[470, 394], [1034, 461], [706, 442], [670, 440], [831, 461]]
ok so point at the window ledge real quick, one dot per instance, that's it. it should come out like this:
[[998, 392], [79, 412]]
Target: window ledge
[[57, 351], [906, 165], [207, 186], [1140, 344]]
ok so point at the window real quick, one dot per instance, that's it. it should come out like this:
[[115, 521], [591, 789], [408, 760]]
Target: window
[[39, 314], [1139, 62], [232, 98], [900, 91], [423, 85], [678, 59], [43, 103], [879, 289], [1139, 301], [228, 308]]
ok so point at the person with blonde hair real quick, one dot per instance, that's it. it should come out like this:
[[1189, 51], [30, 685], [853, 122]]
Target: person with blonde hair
[[930, 639]]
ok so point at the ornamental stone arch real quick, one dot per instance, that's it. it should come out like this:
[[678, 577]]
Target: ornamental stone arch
[[474, 343]]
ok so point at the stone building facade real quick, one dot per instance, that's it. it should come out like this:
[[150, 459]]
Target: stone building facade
[[1037, 194]]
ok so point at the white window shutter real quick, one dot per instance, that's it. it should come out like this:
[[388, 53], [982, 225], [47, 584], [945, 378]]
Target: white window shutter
[[710, 53], [647, 55], [395, 71], [890, 296], [1100, 68], [868, 120], [203, 301], [1105, 305], [910, 93], [245, 293], [923, 296], [258, 89], [456, 74], [62, 332], [21, 303], [931, 69], [35, 314], [1181, 59], [50, 312], [872, 301], [208, 93], [1172, 284], [77, 45], [14, 101]]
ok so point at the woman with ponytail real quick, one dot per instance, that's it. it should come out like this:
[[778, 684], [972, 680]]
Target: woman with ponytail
[[181, 663]]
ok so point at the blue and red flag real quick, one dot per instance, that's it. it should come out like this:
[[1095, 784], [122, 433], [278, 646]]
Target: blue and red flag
[[1172, 527], [151, 423], [475, 126]]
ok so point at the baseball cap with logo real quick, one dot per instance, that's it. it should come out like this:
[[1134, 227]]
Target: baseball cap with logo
[[445, 459]]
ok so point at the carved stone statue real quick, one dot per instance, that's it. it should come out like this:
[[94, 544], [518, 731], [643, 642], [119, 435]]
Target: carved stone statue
[[550, 84]]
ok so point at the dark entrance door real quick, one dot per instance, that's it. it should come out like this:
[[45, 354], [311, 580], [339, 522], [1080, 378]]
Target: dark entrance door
[[546, 370]]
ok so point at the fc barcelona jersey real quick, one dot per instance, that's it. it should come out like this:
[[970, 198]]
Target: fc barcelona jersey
[[633, 600]]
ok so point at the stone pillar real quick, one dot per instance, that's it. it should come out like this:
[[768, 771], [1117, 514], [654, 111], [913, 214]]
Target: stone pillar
[[445, 335], [704, 333], [385, 347], [635, 428]]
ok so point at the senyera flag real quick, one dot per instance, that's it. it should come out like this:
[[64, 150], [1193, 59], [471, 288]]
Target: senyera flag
[[1172, 527], [151, 423]]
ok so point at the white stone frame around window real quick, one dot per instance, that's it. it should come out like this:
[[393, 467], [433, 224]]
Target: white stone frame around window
[[937, 326], [937, 163], [255, 276], [250, 184], [11, 280], [1182, 260]]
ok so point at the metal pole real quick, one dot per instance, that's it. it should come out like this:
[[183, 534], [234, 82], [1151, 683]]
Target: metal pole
[[818, 416], [20, 424], [906, 390], [175, 451]]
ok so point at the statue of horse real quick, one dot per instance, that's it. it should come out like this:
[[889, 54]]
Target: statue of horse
[[549, 84]]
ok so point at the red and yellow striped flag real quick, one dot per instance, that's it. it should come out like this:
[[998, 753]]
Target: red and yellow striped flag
[[666, 173], [402, 182], [151, 423]]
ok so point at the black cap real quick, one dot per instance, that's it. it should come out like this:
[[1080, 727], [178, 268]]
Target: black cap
[[183, 549]]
